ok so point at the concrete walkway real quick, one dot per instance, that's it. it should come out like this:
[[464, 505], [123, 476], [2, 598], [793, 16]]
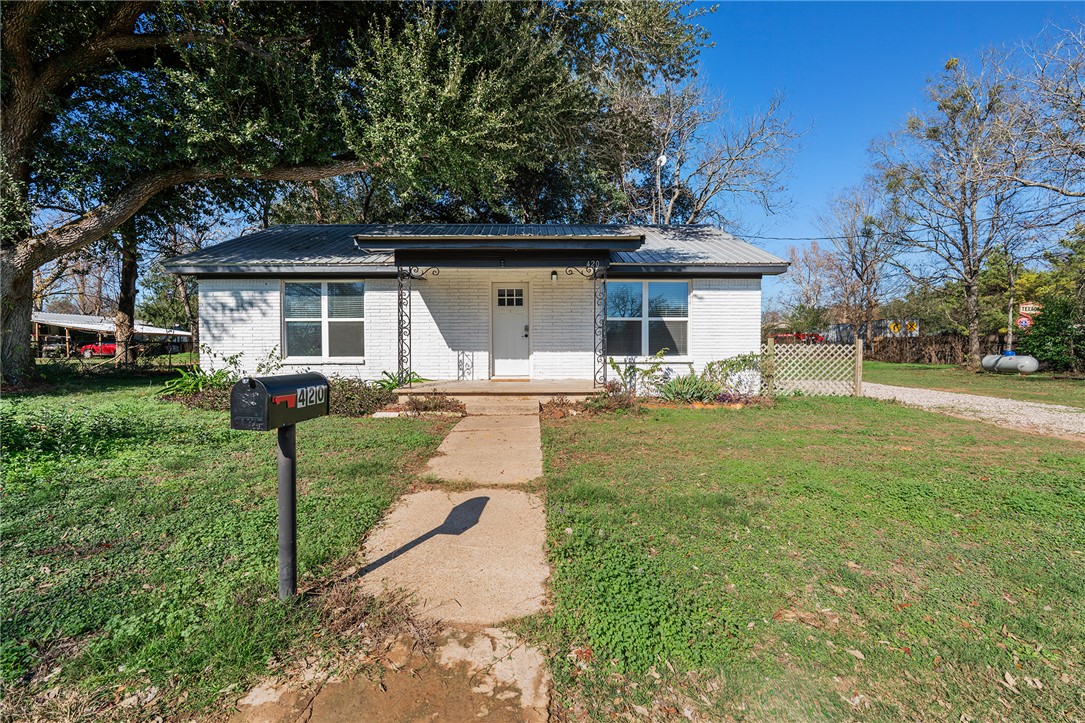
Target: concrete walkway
[[1049, 419], [472, 560], [498, 449]]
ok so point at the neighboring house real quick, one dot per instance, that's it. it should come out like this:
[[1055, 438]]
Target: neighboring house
[[476, 302]]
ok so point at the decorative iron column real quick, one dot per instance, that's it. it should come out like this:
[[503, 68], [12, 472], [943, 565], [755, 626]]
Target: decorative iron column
[[599, 279], [405, 276], [598, 274], [404, 298]]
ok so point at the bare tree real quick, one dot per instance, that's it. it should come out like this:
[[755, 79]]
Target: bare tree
[[808, 273], [1046, 133], [862, 236], [702, 157], [950, 178]]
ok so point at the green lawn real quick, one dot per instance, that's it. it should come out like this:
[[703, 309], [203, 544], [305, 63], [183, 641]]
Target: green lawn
[[829, 559], [1048, 388], [139, 538]]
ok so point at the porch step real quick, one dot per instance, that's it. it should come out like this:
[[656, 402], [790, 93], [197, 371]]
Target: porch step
[[500, 406], [574, 389]]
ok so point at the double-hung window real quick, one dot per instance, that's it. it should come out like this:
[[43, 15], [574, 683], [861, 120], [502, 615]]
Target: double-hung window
[[646, 316], [324, 320]]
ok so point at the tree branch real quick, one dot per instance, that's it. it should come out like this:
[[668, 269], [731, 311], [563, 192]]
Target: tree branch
[[99, 222]]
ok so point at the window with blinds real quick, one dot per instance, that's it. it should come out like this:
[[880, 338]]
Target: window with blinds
[[644, 317], [323, 319]]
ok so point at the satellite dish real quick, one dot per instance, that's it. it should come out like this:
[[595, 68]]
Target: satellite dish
[[662, 160]]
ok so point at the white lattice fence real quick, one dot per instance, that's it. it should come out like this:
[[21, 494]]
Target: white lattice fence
[[810, 369]]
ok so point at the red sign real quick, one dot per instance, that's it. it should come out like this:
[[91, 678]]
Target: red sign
[[1030, 308], [1024, 322]]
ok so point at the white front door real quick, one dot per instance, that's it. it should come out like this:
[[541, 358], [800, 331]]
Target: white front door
[[512, 341]]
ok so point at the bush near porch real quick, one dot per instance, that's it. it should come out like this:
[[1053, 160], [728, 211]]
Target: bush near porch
[[139, 543], [829, 559]]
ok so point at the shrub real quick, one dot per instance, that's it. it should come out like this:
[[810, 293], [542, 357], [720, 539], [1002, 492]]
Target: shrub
[[357, 398], [613, 397], [689, 388], [738, 375], [1057, 337], [196, 380], [417, 404], [392, 382], [211, 400], [637, 380]]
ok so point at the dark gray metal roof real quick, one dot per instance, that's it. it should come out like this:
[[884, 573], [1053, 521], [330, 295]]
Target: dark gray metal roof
[[369, 248]]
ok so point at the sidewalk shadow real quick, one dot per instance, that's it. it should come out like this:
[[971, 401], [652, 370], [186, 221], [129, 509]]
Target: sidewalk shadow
[[462, 518]]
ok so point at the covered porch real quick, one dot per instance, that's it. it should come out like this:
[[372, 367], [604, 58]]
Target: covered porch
[[521, 315]]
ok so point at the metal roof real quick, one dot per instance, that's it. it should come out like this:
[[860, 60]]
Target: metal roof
[[370, 248], [104, 324]]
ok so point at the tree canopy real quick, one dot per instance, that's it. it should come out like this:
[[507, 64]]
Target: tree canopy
[[108, 104]]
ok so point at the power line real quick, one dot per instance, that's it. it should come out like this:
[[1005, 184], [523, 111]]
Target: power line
[[1073, 203]]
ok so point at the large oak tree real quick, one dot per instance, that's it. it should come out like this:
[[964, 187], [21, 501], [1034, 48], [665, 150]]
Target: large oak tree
[[108, 104]]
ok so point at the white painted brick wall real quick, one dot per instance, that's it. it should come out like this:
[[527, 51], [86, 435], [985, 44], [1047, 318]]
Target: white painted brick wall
[[725, 315], [451, 323]]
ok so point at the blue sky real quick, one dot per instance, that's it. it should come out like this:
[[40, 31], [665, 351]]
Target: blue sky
[[851, 71]]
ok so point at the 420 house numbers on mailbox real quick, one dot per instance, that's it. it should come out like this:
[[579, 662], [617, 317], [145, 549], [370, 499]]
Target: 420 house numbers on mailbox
[[304, 397]]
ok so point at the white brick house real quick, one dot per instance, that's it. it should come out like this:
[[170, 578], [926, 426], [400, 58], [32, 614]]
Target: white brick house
[[478, 302]]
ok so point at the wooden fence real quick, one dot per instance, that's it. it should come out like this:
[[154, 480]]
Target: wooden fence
[[813, 369], [941, 349]]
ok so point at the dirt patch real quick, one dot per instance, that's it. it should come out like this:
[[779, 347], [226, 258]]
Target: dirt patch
[[488, 676]]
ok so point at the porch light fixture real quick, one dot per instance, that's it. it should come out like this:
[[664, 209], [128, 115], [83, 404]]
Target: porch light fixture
[[553, 277]]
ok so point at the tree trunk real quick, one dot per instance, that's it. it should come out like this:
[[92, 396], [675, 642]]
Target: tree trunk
[[972, 309], [191, 314], [126, 299], [1009, 308], [16, 307]]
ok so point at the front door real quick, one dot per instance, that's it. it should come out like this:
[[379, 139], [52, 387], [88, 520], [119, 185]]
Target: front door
[[512, 341]]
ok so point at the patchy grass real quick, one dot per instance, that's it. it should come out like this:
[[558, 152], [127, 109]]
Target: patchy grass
[[139, 540], [831, 558], [1040, 387]]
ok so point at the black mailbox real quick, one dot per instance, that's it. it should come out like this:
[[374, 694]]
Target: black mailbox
[[265, 403]]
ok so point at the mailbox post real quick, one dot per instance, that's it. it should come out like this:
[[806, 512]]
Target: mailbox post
[[279, 403]]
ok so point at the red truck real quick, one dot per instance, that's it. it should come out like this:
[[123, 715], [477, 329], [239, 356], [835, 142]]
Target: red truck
[[91, 350]]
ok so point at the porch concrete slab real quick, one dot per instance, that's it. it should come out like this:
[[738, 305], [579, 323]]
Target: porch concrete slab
[[470, 558], [508, 451], [544, 388]]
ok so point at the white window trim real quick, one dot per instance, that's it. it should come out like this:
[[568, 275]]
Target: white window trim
[[324, 337], [686, 358]]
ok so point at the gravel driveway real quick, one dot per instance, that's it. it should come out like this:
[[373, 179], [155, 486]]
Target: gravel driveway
[[1054, 419]]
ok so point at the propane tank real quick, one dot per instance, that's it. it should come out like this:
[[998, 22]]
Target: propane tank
[[1010, 362]]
